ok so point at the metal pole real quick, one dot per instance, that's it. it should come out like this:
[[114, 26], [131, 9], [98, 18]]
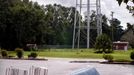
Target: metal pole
[[88, 23], [79, 28], [100, 17], [97, 13], [74, 25]]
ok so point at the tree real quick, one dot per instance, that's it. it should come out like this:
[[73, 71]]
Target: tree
[[105, 27], [129, 26], [103, 44], [129, 7], [125, 1], [28, 22], [21, 23], [60, 21], [128, 35], [116, 29]]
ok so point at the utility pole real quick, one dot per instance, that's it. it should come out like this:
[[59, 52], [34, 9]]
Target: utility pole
[[112, 14]]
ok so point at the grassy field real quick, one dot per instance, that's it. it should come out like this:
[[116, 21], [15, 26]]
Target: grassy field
[[81, 53]]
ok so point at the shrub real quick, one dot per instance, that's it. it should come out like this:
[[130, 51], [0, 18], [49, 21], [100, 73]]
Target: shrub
[[33, 55], [19, 52], [103, 44], [108, 57], [132, 55], [4, 53]]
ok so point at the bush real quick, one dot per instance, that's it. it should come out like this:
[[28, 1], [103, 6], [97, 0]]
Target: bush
[[108, 57], [103, 44], [19, 52], [132, 55], [4, 53], [33, 55]]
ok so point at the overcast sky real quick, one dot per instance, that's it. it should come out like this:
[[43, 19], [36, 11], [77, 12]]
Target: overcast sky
[[120, 12]]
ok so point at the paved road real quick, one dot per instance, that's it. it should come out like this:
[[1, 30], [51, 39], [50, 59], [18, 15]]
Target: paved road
[[60, 66]]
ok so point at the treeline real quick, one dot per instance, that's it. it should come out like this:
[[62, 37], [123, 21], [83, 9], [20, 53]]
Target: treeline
[[28, 22], [23, 22]]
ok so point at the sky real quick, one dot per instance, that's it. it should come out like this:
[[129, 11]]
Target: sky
[[120, 12]]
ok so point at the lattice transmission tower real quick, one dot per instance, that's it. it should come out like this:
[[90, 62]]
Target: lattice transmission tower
[[96, 4]]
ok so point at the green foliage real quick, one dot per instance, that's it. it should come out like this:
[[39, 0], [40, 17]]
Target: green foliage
[[103, 44], [19, 52], [21, 23], [33, 55], [108, 57], [128, 35], [4, 53], [132, 55], [116, 29], [60, 20], [105, 28], [28, 22]]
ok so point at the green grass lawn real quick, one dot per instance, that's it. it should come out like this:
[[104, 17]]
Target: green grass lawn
[[75, 53]]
